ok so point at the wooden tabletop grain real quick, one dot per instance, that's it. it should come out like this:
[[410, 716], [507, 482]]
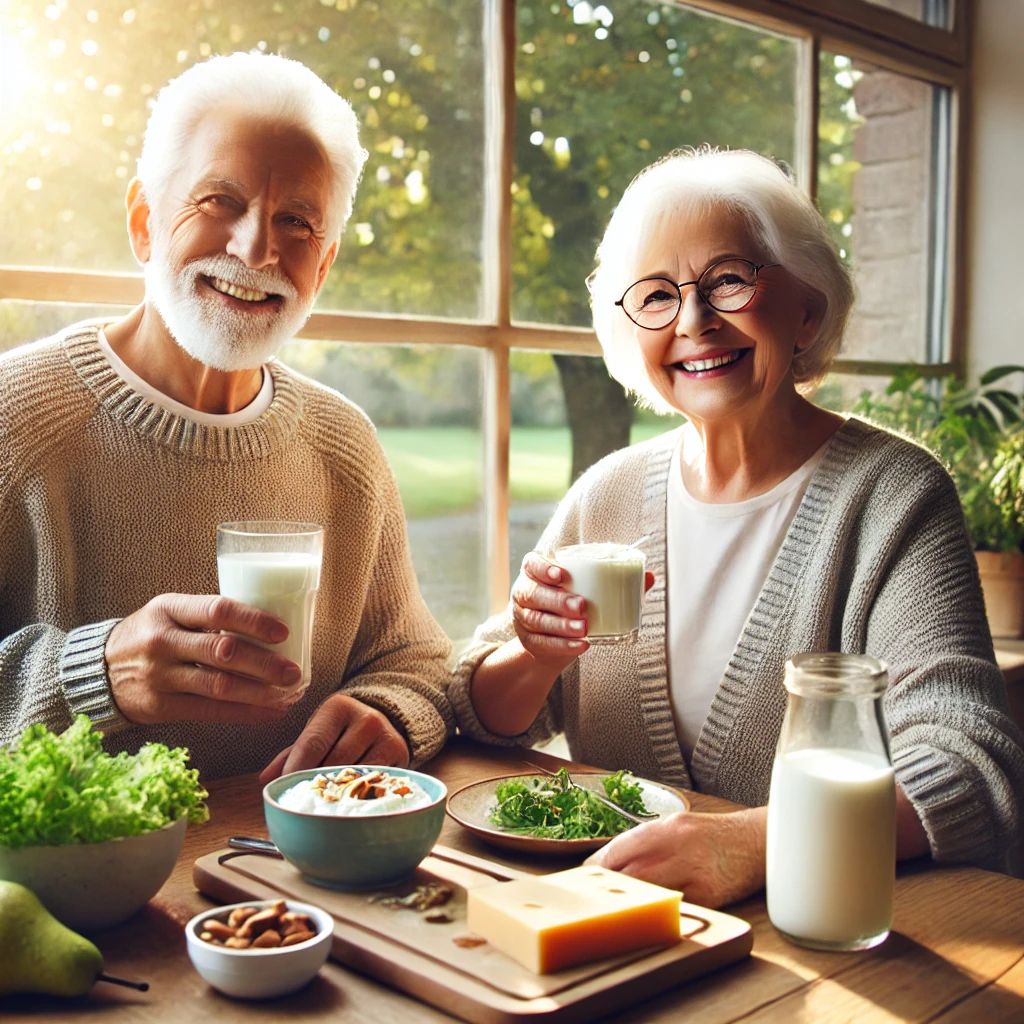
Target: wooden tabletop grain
[[956, 955]]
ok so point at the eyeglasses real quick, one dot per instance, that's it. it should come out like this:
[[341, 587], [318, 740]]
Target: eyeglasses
[[727, 286]]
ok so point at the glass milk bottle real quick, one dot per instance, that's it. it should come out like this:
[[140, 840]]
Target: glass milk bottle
[[831, 853]]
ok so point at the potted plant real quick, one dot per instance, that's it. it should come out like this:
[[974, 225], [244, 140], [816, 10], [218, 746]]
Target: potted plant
[[978, 433], [1002, 565]]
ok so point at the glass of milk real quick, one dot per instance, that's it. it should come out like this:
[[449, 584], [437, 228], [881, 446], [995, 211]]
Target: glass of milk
[[275, 566], [831, 855], [611, 579]]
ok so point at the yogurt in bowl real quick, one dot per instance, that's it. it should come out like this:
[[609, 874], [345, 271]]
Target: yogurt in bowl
[[355, 791], [355, 826]]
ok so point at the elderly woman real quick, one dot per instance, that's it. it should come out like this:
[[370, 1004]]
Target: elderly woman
[[772, 527]]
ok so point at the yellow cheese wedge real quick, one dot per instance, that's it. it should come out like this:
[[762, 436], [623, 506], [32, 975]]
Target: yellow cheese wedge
[[587, 913]]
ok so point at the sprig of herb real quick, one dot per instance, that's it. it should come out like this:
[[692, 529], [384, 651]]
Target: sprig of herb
[[57, 790], [556, 809]]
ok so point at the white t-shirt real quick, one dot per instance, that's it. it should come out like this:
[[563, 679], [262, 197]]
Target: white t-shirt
[[256, 408], [718, 557]]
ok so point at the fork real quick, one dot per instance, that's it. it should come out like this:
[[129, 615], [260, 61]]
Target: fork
[[637, 819]]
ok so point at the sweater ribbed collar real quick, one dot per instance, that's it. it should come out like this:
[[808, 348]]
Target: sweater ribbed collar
[[254, 440]]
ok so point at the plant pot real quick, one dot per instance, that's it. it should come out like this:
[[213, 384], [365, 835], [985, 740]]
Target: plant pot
[[1002, 583]]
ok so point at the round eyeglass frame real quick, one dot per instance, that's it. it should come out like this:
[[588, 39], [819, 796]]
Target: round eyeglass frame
[[757, 268]]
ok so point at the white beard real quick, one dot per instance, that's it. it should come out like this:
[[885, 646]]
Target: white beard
[[210, 332]]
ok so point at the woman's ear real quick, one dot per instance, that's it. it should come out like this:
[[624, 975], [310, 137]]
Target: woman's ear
[[814, 307], [138, 221]]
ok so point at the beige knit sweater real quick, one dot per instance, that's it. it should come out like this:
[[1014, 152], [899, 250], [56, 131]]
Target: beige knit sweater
[[107, 500], [877, 561]]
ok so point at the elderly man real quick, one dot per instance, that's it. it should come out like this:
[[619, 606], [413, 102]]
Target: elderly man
[[124, 444]]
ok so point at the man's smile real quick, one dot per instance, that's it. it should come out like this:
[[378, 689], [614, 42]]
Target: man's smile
[[236, 291]]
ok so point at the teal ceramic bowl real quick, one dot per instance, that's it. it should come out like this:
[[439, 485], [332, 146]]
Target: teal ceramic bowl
[[364, 852]]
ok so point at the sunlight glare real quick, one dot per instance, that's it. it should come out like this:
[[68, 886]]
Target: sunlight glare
[[20, 81]]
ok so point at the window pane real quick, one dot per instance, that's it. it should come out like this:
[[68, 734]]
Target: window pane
[[840, 392], [553, 442], [22, 322], [883, 159], [932, 12], [426, 403], [602, 91], [77, 81]]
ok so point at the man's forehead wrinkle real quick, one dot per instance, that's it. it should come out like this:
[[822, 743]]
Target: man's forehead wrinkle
[[220, 182]]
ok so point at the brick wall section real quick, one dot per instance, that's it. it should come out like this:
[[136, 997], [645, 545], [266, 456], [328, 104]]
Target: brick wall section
[[892, 200]]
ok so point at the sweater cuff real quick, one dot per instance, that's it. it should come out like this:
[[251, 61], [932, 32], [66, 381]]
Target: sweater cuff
[[83, 676], [460, 696], [944, 790], [417, 718]]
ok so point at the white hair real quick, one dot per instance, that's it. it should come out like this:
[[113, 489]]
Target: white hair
[[784, 221], [273, 87]]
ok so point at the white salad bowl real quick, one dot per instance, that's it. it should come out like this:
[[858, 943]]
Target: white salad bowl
[[89, 886], [260, 973]]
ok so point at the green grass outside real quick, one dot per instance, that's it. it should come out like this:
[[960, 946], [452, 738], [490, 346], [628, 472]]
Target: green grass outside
[[439, 469]]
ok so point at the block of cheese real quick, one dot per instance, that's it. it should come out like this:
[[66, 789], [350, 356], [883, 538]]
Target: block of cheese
[[571, 917]]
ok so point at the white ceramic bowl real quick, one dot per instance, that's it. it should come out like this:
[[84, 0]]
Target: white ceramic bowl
[[96, 885], [260, 973]]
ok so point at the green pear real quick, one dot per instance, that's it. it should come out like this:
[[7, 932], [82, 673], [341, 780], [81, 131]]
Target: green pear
[[39, 953]]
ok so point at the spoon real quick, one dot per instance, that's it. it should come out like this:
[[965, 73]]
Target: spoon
[[252, 844]]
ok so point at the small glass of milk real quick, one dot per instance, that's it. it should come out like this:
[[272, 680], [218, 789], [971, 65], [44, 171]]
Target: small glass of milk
[[611, 579], [831, 854], [275, 566]]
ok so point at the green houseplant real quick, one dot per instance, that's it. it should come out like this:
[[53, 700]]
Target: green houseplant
[[978, 433]]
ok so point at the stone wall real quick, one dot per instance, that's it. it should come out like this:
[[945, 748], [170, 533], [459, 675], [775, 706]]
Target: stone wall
[[892, 194]]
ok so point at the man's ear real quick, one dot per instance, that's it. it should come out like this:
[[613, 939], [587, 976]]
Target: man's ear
[[815, 305], [138, 221], [325, 265]]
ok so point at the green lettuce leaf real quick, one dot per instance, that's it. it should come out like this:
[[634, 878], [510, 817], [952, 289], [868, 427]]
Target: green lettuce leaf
[[56, 790]]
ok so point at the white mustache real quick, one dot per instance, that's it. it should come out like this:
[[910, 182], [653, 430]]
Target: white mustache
[[234, 271]]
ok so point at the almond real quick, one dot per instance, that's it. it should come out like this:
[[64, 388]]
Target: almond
[[296, 937], [240, 914], [259, 922], [267, 940], [219, 930], [238, 943]]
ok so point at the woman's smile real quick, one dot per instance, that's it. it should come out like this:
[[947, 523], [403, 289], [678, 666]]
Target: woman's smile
[[708, 365]]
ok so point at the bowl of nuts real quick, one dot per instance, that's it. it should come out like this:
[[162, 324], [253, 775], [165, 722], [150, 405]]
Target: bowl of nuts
[[258, 950]]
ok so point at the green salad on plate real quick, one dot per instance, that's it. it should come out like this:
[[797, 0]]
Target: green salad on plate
[[57, 790], [556, 809]]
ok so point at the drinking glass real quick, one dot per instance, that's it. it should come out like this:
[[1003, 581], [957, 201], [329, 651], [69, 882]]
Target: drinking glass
[[831, 852], [611, 579], [275, 566]]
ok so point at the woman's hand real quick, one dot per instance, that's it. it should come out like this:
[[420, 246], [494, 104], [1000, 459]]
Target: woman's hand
[[549, 621], [713, 859]]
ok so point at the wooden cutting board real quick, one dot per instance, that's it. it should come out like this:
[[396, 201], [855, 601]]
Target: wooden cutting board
[[480, 984]]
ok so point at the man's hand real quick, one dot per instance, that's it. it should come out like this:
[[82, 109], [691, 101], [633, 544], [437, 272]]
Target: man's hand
[[343, 730], [713, 859], [169, 662]]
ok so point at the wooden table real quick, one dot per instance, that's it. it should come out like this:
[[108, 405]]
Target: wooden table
[[956, 955]]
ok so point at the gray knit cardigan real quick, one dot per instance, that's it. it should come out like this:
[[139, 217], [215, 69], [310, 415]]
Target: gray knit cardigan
[[877, 560]]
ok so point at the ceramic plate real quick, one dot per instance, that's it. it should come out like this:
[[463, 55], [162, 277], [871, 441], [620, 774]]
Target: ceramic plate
[[471, 807]]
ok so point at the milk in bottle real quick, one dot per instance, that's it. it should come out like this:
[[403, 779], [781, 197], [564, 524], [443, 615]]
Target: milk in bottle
[[831, 845]]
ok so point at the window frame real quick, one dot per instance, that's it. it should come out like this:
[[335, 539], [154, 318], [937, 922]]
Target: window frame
[[854, 27]]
